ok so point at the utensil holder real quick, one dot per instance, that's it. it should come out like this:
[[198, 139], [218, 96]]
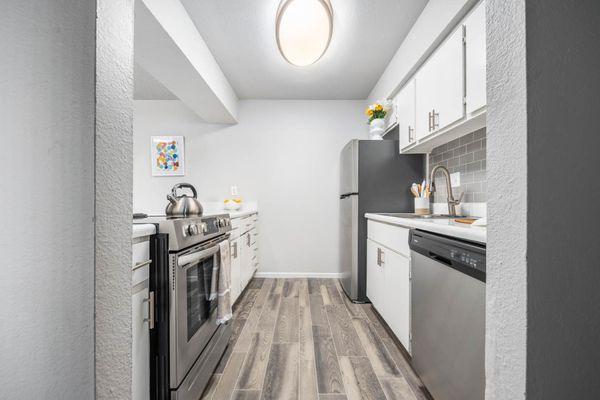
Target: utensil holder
[[421, 205]]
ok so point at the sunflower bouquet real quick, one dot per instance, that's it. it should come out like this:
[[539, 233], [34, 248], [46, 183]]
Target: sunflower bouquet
[[378, 110]]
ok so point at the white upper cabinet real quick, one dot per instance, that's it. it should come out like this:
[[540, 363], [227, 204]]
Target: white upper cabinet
[[440, 87], [447, 95], [405, 114], [475, 59]]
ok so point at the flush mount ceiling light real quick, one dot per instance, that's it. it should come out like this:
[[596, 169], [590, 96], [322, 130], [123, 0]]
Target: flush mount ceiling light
[[304, 30]]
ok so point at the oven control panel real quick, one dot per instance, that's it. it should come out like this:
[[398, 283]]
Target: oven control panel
[[185, 232]]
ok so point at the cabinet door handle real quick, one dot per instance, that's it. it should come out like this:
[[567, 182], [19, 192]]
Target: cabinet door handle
[[235, 250], [380, 257], [429, 121], [141, 264], [435, 118], [410, 134], [248, 239], [150, 320]]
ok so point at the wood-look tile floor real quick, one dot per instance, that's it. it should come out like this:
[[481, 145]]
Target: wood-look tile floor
[[303, 339]]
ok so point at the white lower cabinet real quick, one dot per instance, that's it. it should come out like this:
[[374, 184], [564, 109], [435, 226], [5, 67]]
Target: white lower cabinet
[[244, 254], [375, 277], [236, 272], [140, 319], [140, 351], [397, 295], [388, 279]]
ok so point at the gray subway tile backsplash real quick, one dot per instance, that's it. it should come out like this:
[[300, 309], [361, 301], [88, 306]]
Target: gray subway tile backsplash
[[466, 155]]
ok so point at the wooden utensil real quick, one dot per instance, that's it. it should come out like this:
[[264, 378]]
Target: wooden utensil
[[468, 221]]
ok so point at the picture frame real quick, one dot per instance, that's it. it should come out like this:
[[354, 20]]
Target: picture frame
[[167, 155]]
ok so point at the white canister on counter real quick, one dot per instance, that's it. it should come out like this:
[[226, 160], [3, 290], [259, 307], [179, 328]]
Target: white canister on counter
[[421, 205]]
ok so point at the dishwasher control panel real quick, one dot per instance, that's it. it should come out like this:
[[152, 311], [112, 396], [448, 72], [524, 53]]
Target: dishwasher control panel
[[466, 257]]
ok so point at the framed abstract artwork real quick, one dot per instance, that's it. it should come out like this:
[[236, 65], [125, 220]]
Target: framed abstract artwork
[[167, 155]]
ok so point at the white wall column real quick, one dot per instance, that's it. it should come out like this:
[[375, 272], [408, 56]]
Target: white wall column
[[47, 201], [506, 305], [114, 176]]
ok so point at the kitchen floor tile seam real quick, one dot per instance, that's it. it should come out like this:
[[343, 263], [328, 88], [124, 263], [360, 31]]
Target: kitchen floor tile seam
[[262, 309], [299, 329], [237, 305], [393, 359], [297, 299], [270, 347], [272, 337], [337, 355], [366, 354], [314, 363]]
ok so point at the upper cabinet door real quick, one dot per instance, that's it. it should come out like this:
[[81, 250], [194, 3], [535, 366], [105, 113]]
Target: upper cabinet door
[[405, 110], [440, 87], [475, 58]]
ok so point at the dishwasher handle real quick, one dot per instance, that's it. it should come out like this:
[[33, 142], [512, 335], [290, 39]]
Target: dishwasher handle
[[440, 259]]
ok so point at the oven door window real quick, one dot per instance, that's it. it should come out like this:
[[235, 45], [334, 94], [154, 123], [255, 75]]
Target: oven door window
[[201, 278]]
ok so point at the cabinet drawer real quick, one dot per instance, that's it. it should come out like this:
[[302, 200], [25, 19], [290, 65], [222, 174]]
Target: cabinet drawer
[[140, 252], [140, 265], [391, 236], [236, 223]]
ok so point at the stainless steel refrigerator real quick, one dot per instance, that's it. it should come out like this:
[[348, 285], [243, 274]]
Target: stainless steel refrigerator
[[374, 177]]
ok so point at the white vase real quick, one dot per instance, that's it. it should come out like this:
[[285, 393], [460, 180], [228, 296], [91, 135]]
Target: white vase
[[376, 129]]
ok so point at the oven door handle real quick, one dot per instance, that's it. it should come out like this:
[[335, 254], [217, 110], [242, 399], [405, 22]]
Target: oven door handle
[[197, 256]]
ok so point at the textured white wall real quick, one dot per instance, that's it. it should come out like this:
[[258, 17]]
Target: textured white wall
[[47, 205], [284, 154], [114, 137], [506, 289]]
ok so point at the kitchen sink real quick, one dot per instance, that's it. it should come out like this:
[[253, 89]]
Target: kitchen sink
[[430, 216]]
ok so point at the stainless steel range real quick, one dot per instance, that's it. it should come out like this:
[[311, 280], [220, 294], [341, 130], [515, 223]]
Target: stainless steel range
[[186, 342]]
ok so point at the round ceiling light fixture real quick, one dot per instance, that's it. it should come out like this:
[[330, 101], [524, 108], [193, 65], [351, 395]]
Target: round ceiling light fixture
[[304, 29]]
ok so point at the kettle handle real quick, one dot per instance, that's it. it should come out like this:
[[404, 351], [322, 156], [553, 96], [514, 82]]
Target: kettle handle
[[184, 185]]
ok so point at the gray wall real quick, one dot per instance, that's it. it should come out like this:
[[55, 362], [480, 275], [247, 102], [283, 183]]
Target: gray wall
[[47, 204], [563, 234], [543, 322], [114, 184]]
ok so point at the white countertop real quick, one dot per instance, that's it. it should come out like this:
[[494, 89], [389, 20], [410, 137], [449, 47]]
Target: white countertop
[[143, 230], [444, 226], [212, 208]]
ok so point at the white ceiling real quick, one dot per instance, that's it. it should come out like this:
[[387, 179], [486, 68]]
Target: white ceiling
[[241, 36]]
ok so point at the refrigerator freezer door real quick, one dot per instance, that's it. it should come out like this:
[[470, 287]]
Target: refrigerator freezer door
[[349, 168], [349, 245]]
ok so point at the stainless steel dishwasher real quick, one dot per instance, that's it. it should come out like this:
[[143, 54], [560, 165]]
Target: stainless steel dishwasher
[[448, 315]]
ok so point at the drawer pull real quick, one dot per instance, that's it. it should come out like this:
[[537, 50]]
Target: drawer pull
[[141, 264], [150, 320], [380, 257], [235, 250]]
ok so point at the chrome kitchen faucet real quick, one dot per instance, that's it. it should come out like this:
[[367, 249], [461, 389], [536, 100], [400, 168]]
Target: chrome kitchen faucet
[[452, 203]]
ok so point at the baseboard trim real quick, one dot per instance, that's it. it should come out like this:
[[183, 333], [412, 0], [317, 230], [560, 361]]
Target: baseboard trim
[[324, 275]]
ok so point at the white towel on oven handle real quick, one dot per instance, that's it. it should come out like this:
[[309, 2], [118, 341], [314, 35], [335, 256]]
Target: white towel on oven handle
[[224, 312]]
